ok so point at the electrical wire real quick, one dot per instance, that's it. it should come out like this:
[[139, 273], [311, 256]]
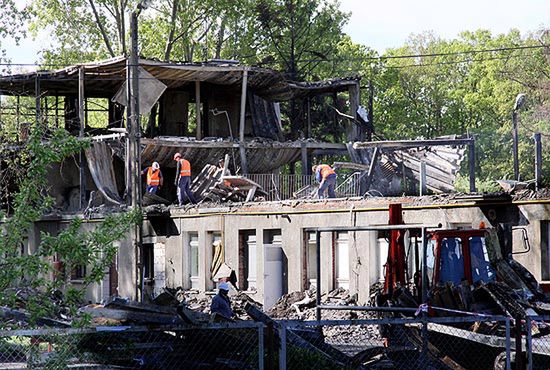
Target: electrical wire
[[406, 56]]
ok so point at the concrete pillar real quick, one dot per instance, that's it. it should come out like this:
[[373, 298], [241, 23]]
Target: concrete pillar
[[126, 262], [327, 276], [205, 260], [260, 266], [159, 267]]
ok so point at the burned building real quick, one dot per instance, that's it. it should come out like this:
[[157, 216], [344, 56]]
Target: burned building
[[215, 109]]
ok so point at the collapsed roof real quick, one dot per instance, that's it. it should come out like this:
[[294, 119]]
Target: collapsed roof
[[104, 78]]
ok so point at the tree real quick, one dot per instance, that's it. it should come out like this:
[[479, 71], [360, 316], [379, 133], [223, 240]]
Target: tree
[[300, 35], [30, 272], [81, 30], [11, 27], [458, 90]]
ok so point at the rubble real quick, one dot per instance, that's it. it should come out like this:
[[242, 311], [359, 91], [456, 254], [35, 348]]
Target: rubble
[[211, 185]]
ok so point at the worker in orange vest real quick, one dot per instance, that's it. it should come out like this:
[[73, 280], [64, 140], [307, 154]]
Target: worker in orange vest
[[154, 178], [326, 177], [183, 179]]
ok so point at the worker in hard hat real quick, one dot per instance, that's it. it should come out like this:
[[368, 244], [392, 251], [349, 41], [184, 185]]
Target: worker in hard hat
[[183, 179], [221, 303], [154, 178], [326, 177]]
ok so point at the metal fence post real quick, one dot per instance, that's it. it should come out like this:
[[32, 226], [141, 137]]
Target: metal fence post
[[529, 343], [260, 346], [282, 348], [519, 349], [508, 344], [424, 353]]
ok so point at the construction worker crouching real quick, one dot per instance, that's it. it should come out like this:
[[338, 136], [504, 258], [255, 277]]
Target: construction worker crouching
[[325, 175], [154, 178], [183, 179]]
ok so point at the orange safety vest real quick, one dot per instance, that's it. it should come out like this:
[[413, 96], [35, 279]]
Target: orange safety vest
[[185, 168], [326, 170], [153, 177]]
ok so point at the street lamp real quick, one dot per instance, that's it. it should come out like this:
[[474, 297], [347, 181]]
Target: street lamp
[[520, 102]]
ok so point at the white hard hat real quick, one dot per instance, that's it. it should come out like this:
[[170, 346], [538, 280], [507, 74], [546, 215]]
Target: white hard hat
[[156, 165], [224, 285]]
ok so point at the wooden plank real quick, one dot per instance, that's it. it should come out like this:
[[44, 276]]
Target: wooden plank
[[240, 181], [351, 165], [251, 193], [186, 143], [401, 144], [136, 316]]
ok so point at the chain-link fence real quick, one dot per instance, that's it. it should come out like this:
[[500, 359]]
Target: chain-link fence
[[216, 346], [488, 342], [538, 342], [436, 343]]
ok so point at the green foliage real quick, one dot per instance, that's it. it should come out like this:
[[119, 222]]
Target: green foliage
[[12, 22], [31, 270], [451, 92], [447, 88], [300, 34]]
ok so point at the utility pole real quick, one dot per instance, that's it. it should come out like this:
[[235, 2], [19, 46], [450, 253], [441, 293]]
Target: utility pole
[[134, 123], [133, 185]]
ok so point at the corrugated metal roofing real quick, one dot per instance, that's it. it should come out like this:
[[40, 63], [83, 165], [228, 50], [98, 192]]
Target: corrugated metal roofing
[[104, 78], [261, 159]]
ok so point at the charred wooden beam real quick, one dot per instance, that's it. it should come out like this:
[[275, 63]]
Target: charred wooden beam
[[402, 144]]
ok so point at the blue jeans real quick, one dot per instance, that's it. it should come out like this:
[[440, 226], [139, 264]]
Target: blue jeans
[[328, 183], [184, 190], [152, 189]]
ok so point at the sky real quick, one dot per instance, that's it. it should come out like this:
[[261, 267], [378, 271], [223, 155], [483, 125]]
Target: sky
[[384, 24]]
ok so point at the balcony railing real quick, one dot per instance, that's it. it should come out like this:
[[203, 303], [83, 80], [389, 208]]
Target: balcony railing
[[282, 187]]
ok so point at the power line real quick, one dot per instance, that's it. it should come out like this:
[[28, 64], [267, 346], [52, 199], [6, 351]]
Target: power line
[[406, 56], [340, 70]]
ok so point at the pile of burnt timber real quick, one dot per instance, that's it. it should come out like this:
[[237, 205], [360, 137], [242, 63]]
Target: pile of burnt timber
[[118, 311], [211, 185]]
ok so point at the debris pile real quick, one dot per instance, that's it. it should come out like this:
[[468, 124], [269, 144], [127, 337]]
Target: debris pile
[[20, 318], [211, 185], [301, 306], [201, 303]]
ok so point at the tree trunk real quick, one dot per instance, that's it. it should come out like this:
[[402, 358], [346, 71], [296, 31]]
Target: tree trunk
[[170, 40]]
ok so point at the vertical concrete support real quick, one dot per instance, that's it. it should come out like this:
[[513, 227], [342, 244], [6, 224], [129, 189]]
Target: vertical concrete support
[[260, 266], [327, 260], [198, 109], [82, 119], [177, 250], [127, 273], [231, 244], [472, 165], [293, 245], [159, 267], [205, 260], [538, 160]]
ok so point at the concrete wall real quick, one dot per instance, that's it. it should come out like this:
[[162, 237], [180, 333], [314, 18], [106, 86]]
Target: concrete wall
[[364, 253], [171, 239]]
